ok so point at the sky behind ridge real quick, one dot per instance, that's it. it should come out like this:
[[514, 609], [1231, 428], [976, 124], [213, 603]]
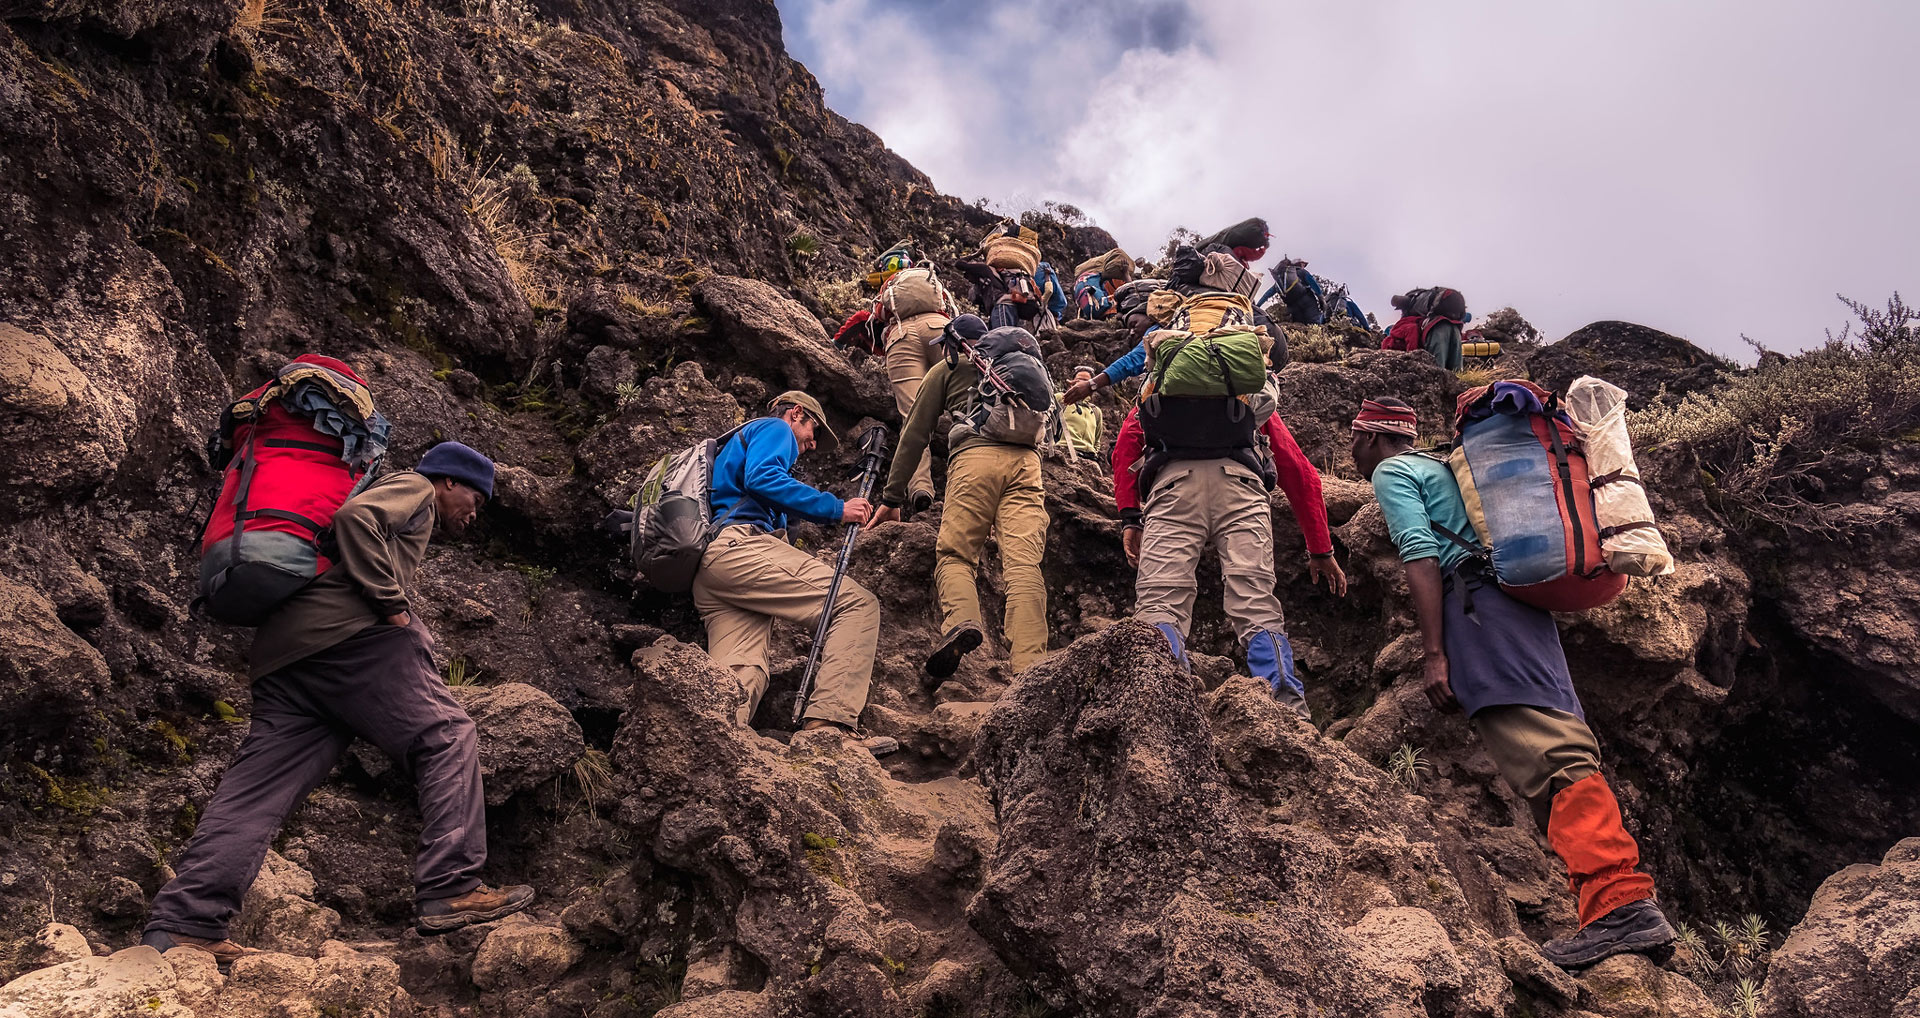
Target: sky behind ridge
[[1706, 168]]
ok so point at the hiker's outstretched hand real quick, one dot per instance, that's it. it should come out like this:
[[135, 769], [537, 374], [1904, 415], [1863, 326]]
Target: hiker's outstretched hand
[[856, 510], [1328, 569], [884, 514], [1077, 391], [1438, 686]]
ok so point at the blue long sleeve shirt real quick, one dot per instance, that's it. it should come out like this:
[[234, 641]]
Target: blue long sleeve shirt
[[753, 480], [1131, 363]]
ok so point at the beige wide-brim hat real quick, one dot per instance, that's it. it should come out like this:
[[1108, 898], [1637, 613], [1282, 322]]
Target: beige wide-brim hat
[[824, 435]]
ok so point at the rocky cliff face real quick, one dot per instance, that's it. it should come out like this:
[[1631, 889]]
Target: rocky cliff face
[[575, 234]]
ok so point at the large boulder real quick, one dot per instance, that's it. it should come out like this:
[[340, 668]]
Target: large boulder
[[134, 983], [57, 436], [1857, 952], [526, 737], [279, 913], [523, 954], [1633, 357], [49, 677], [1161, 854], [779, 337]]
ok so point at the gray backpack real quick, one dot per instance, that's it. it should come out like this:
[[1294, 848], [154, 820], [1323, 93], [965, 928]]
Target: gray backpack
[[673, 516]]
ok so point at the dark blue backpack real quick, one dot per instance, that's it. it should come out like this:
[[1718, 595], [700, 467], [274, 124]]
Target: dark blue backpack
[[1090, 298]]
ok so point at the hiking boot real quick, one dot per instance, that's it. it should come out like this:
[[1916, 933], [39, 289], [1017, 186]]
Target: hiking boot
[[225, 952], [483, 904], [959, 641], [1636, 926], [878, 745]]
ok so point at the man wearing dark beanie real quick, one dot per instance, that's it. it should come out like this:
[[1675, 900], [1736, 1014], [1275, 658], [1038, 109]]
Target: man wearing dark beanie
[[345, 657]]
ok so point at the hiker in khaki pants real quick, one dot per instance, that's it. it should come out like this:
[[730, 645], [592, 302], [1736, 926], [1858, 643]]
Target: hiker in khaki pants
[[1195, 498], [992, 488], [751, 576], [911, 351]]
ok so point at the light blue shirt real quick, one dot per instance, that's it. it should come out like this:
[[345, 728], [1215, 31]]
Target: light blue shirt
[[1415, 490]]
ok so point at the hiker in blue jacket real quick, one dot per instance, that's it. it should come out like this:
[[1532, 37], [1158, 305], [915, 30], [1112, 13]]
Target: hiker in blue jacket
[[751, 576]]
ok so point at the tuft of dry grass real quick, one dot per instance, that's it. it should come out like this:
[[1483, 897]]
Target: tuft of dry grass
[[264, 17]]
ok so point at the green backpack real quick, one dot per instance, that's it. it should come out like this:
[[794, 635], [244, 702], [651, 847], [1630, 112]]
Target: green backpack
[[1230, 364]]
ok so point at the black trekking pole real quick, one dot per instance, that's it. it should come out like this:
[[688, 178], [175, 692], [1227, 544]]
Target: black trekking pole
[[873, 455]]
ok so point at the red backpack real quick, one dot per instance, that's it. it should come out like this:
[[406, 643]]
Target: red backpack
[[294, 450]]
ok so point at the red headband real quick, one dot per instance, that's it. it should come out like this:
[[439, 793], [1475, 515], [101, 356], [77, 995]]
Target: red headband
[[1387, 420]]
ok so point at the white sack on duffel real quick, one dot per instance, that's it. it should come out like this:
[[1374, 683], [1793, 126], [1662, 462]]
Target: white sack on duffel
[[1632, 543]]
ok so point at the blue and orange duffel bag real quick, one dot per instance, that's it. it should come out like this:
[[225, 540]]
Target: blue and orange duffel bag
[[1523, 475]]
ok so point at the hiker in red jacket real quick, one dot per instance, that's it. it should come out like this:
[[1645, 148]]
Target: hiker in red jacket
[[1500, 660], [1192, 503]]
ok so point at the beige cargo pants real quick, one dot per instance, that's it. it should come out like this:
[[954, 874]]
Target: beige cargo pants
[[1195, 504], [910, 353], [750, 578], [1538, 750], [996, 489]]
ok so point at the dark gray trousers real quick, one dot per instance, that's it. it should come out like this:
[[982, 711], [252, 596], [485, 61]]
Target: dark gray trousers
[[379, 684]]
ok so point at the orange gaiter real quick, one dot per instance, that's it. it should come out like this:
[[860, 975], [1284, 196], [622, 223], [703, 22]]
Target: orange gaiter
[[1585, 830]]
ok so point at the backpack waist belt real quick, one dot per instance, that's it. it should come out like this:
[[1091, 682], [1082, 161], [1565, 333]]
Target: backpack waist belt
[[1157, 460]]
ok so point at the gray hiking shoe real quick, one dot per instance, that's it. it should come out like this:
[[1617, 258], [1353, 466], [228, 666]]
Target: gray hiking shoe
[[483, 904], [1637, 926], [958, 643]]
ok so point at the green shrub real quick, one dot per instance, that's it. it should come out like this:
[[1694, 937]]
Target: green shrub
[[1760, 433]]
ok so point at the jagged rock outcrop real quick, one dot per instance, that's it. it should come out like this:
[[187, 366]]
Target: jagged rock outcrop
[[580, 235], [1161, 854], [831, 887]]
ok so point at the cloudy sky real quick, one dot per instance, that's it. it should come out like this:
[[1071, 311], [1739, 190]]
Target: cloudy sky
[[1705, 167]]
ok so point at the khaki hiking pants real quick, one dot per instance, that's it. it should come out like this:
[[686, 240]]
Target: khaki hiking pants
[[749, 578], [1195, 504], [996, 489], [1538, 750], [909, 355]]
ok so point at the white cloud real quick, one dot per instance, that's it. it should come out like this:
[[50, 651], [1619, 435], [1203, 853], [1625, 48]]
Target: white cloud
[[1709, 168]]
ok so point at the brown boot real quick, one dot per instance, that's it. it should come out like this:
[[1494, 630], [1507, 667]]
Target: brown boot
[[225, 952], [483, 904]]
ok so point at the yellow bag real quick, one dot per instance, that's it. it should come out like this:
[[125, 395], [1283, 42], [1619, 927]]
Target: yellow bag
[[1205, 312]]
